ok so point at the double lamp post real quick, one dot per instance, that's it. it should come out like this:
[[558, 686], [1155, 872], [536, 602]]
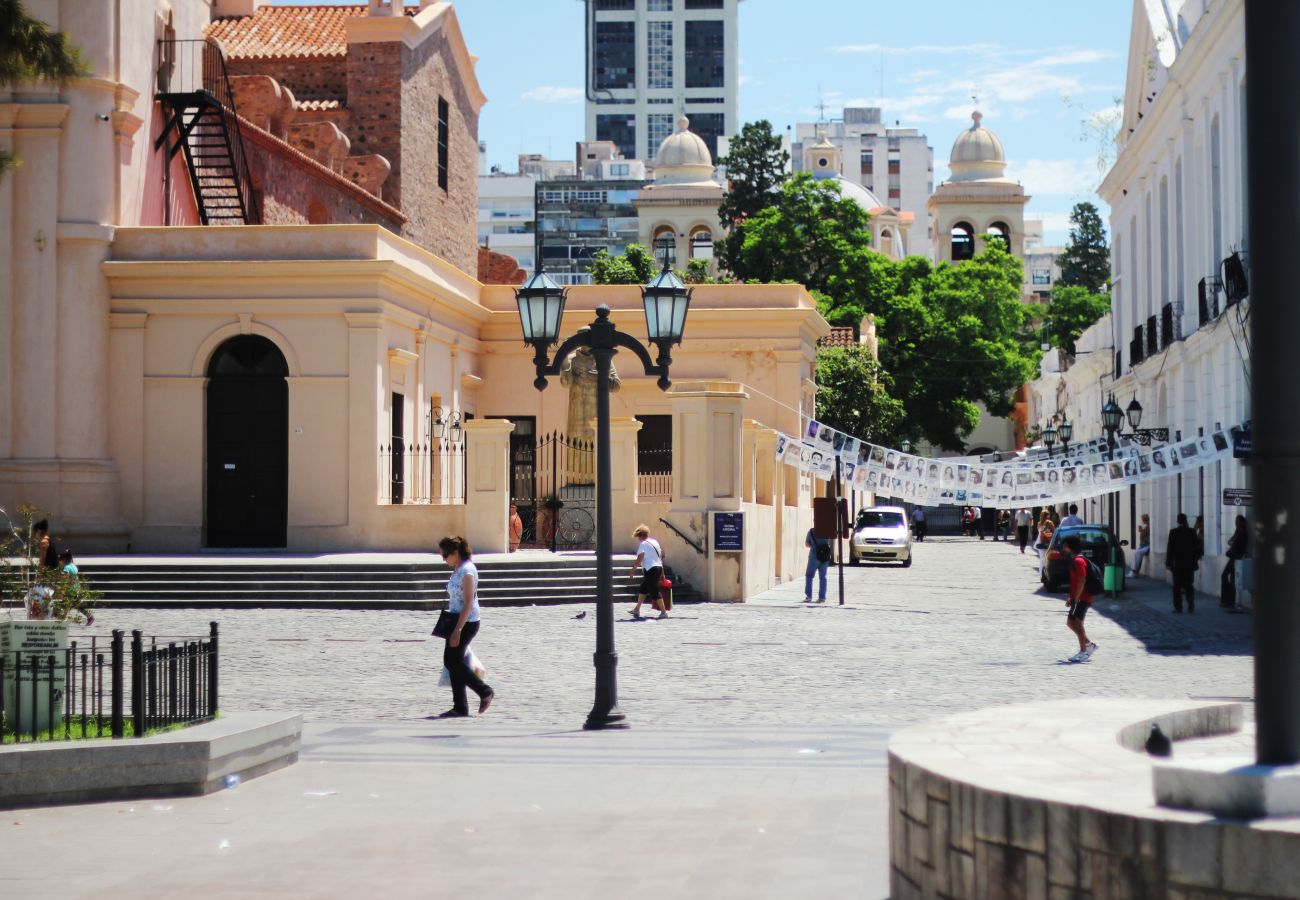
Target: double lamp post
[[541, 309]]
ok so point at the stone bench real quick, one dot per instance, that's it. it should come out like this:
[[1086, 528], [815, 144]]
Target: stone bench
[[1055, 800]]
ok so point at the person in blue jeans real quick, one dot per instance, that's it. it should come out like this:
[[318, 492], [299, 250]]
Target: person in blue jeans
[[818, 563]]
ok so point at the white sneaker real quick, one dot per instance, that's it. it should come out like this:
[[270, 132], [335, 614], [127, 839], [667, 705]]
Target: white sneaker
[[1081, 656], [1091, 648]]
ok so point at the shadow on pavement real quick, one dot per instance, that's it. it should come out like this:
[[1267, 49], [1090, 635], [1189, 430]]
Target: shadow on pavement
[[1145, 611]]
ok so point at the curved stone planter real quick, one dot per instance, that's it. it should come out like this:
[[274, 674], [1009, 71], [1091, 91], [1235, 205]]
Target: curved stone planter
[[1056, 800], [191, 761]]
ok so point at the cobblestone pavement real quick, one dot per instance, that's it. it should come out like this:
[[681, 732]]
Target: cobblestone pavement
[[966, 626]]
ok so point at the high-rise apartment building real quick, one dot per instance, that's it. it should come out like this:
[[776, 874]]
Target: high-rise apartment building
[[650, 61], [896, 164]]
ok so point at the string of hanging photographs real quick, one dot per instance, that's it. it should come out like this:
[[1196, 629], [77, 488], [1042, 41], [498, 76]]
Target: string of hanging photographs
[[1088, 471]]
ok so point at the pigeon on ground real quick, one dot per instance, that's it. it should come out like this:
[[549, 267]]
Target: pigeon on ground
[[1158, 744], [581, 615]]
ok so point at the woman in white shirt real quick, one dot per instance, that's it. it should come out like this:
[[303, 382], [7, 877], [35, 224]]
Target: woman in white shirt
[[462, 588], [650, 558]]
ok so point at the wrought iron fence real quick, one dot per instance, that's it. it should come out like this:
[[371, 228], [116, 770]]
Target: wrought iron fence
[[553, 489], [655, 475], [431, 473], [76, 693]]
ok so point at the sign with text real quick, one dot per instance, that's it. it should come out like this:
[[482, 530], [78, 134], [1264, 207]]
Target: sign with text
[[729, 531], [41, 703], [1242, 443], [1238, 496]]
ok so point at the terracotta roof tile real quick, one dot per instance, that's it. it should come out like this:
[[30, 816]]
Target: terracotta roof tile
[[280, 32], [839, 337]]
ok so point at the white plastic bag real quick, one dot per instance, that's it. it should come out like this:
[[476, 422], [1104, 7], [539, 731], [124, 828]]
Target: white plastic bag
[[475, 664]]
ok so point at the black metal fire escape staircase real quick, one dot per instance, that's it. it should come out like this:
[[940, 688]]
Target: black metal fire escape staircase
[[194, 91]]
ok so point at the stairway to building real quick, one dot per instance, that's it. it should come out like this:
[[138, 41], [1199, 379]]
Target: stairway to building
[[340, 582]]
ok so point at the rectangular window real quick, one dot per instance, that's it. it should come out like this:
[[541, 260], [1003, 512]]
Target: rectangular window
[[709, 126], [659, 55], [615, 55], [658, 127], [704, 54], [704, 4], [868, 162], [621, 129], [894, 167], [1042, 276], [894, 194], [659, 6], [614, 5], [659, 101], [443, 115], [618, 169]]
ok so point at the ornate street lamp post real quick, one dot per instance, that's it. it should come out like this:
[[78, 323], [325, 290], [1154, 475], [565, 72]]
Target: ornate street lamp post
[[1111, 416], [1066, 431], [1049, 436], [541, 309]]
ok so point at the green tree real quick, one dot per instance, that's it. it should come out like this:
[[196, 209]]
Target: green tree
[[30, 51], [697, 272], [756, 168], [636, 265], [1071, 310], [1086, 260], [853, 395]]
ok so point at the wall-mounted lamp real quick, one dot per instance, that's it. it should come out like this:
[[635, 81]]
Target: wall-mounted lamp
[[40, 241]]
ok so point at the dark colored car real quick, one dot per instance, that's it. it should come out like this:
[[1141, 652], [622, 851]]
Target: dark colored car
[[1098, 542]]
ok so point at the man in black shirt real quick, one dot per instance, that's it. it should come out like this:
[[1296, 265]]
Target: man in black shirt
[[1182, 556]]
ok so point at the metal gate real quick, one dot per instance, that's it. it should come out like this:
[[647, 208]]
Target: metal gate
[[553, 487]]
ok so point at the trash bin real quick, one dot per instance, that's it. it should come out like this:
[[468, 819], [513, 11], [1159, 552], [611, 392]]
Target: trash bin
[[1113, 579]]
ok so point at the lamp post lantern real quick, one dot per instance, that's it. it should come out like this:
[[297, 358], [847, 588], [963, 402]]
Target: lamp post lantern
[[905, 446], [541, 309], [1065, 431], [1049, 437], [1111, 416]]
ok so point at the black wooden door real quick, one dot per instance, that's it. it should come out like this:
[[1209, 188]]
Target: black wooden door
[[247, 452]]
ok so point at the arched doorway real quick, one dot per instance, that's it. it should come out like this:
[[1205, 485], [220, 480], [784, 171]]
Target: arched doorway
[[247, 444]]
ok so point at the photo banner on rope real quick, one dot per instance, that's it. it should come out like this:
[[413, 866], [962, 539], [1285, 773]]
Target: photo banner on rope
[[1031, 480]]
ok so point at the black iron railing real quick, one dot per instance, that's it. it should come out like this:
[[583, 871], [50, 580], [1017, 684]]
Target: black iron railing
[[1136, 348], [1167, 324], [195, 70], [78, 693], [1207, 302], [1153, 336], [422, 473], [553, 489]]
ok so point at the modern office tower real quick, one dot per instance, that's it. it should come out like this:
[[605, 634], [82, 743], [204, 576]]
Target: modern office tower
[[650, 61], [896, 164]]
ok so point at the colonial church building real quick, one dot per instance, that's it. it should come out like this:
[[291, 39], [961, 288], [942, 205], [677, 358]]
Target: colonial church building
[[239, 276]]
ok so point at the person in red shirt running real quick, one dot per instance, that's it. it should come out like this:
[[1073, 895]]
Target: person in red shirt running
[[1080, 601]]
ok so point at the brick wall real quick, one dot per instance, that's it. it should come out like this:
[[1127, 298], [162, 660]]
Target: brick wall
[[499, 268], [295, 190], [374, 97], [309, 79], [445, 222]]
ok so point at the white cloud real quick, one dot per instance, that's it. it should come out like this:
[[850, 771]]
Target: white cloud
[[941, 49], [1068, 177], [552, 94]]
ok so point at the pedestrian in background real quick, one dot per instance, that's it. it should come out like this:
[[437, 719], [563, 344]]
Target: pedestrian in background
[[1079, 601], [918, 523], [650, 559], [1023, 521], [1046, 528], [819, 560], [1073, 517], [1002, 531], [1144, 544], [462, 589], [1238, 548], [1182, 557]]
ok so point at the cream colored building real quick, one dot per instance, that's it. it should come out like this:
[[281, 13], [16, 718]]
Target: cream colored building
[[176, 387], [977, 199], [890, 228], [678, 211]]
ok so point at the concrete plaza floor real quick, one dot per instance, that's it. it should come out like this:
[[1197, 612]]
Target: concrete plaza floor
[[754, 766]]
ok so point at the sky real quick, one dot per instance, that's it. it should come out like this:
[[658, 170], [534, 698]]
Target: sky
[[1048, 77]]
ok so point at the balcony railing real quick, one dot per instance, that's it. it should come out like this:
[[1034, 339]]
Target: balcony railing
[[1153, 337], [1136, 348], [1167, 324]]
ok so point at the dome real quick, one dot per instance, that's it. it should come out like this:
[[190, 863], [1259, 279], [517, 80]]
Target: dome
[[858, 194], [683, 158], [977, 153], [683, 148]]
